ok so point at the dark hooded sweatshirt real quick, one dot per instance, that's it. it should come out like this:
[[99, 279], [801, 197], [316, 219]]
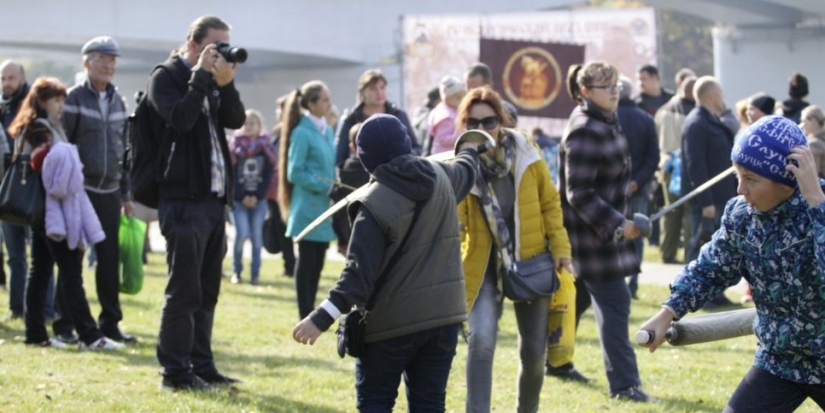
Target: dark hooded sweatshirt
[[792, 109], [425, 289]]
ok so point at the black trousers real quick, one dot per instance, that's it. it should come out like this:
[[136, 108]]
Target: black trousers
[[308, 269], [107, 274], [287, 249], [69, 290], [195, 247], [761, 391], [107, 277]]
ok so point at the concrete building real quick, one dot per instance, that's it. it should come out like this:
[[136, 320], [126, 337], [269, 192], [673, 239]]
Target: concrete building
[[759, 43], [289, 41]]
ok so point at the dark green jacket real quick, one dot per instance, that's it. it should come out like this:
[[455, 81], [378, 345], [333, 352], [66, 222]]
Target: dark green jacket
[[425, 289]]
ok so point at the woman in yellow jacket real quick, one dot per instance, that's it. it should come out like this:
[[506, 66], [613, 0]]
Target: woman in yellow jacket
[[523, 202]]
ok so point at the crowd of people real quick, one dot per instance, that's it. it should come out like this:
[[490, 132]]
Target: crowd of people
[[489, 209]]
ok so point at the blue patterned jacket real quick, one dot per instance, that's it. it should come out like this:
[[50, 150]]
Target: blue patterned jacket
[[781, 253]]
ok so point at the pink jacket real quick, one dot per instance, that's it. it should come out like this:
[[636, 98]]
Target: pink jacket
[[69, 213], [441, 125]]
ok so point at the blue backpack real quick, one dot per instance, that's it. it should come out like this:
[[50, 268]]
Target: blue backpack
[[674, 167]]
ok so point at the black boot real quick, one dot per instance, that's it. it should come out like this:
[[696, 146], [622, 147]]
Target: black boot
[[567, 372]]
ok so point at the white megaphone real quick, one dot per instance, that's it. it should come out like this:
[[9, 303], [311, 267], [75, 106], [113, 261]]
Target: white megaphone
[[483, 139]]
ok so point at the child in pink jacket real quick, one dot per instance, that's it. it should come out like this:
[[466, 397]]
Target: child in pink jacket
[[441, 122]]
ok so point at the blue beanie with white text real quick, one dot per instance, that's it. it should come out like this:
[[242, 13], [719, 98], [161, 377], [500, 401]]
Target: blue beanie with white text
[[764, 146]]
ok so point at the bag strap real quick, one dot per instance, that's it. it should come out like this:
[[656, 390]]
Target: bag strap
[[18, 144], [394, 259]]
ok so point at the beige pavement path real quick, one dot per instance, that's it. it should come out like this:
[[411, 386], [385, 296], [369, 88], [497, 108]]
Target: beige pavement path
[[652, 273]]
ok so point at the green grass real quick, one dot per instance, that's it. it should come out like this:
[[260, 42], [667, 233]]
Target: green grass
[[252, 341], [651, 253]]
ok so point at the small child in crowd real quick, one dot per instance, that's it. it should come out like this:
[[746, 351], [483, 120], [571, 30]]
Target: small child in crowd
[[254, 158]]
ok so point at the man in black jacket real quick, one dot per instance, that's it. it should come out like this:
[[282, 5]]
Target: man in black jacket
[[640, 130], [652, 95], [706, 142], [15, 89], [195, 96]]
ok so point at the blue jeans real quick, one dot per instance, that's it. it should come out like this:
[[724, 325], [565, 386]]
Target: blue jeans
[[611, 306], [531, 318], [423, 358], [15, 237], [249, 224]]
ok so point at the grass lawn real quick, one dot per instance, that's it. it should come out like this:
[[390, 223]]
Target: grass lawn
[[253, 341]]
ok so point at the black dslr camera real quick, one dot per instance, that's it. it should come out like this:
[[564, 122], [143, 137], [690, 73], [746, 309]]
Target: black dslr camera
[[230, 53]]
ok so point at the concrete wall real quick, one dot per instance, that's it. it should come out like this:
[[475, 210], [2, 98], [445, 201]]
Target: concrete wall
[[290, 41], [748, 61]]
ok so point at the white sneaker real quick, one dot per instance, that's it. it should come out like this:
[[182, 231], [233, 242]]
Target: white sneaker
[[52, 342], [102, 344]]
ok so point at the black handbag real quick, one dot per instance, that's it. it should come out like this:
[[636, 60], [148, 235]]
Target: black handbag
[[351, 332], [531, 279], [22, 197], [352, 327]]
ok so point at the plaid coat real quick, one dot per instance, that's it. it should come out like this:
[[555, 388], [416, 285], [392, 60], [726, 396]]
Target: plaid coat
[[594, 176]]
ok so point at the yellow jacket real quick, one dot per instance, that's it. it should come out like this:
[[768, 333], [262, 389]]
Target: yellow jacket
[[538, 214]]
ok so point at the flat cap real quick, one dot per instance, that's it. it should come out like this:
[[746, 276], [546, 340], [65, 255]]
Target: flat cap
[[102, 44]]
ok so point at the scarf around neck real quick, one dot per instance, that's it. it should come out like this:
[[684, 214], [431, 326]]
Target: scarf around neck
[[500, 165]]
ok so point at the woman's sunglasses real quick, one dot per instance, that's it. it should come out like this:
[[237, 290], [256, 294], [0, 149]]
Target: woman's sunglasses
[[487, 123]]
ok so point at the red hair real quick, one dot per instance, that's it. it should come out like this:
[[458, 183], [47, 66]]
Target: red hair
[[484, 95], [43, 89]]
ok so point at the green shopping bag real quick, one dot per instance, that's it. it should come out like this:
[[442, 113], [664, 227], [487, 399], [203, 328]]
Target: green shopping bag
[[131, 236]]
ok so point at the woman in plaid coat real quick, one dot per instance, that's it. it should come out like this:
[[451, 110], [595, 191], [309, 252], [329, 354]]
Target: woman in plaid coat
[[594, 171]]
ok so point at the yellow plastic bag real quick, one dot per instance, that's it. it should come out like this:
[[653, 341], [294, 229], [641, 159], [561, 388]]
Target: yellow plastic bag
[[561, 322]]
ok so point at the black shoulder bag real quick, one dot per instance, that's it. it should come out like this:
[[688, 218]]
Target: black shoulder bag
[[22, 196], [352, 327]]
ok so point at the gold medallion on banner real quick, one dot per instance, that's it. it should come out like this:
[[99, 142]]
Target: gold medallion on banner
[[532, 78]]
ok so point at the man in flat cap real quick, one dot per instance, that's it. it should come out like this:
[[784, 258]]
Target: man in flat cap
[[95, 120]]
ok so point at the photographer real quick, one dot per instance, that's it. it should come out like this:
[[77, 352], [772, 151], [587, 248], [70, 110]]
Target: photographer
[[195, 96]]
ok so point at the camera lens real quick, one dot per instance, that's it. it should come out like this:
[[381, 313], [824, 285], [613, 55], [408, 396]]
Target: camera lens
[[237, 54], [231, 54]]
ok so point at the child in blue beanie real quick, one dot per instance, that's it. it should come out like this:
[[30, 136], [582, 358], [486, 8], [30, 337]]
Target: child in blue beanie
[[773, 235]]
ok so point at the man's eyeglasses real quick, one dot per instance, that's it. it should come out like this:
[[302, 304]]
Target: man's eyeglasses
[[487, 123], [609, 88]]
